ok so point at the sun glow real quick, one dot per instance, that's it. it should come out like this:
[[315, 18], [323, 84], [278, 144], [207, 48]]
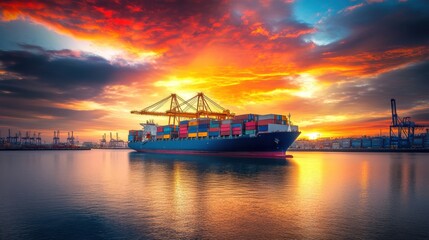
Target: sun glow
[[313, 135]]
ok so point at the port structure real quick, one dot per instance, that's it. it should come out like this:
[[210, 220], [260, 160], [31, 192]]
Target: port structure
[[196, 107], [402, 131]]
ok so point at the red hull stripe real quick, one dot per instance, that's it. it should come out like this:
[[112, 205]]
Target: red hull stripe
[[228, 154]]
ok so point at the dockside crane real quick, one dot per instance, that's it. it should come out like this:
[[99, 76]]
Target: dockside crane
[[196, 107], [402, 131]]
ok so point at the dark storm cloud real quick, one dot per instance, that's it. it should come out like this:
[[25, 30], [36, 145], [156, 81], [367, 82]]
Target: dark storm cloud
[[59, 69], [409, 86], [58, 75], [35, 82], [382, 26]]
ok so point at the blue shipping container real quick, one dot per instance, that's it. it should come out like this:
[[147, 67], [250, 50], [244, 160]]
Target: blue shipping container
[[203, 129], [263, 128], [213, 134]]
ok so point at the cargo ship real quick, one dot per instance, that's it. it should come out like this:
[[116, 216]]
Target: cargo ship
[[248, 135]]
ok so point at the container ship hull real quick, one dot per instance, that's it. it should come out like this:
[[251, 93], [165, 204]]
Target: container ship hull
[[270, 144]]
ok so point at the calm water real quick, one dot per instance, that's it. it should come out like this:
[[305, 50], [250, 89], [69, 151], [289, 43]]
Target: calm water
[[119, 194]]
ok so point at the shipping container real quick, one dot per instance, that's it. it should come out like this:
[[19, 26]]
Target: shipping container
[[251, 123], [202, 134], [267, 116], [225, 133], [192, 135], [183, 135], [250, 128], [277, 128], [250, 132], [203, 129], [266, 121], [245, 117], [214, 134], [262, 128], [214, 129], [166, 136], [228, 121], [193, 129], [184, 122], [192, 123]]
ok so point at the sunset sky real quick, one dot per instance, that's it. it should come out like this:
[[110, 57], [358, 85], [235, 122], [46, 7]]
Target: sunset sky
[[334, 65]]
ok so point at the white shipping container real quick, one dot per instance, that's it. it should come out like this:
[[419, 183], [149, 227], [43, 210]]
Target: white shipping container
[[266, 117], [277, 128]]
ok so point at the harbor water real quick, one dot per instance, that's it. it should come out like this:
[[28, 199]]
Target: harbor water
[[121, 194]]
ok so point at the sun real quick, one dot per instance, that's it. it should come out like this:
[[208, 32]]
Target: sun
[[313, 135]]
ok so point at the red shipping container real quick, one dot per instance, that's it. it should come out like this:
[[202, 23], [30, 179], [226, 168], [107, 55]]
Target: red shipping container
[[160, 129], [214, 129], [250, 127], [252, 123], [266, 122]]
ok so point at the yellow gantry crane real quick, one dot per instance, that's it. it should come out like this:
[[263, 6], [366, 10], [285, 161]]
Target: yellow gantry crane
[[199, 106]]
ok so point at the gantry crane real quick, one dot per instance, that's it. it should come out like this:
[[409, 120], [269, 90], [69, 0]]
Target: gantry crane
[[195, 107], [402, 131]]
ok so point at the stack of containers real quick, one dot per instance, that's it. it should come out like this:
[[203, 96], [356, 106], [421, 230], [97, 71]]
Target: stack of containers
[[237, 128], [203, 127], [225, 128], [250, 127], [183, 129], [246, 117], [264, 120], [192, 128], [170, 132], [214, 129], [159, 132], [132, 135]]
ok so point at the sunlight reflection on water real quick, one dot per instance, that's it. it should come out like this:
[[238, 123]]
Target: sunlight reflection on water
[[124, 194]]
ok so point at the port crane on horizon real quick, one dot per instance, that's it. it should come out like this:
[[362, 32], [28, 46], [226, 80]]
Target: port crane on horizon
[[402, 131], [196, 107]]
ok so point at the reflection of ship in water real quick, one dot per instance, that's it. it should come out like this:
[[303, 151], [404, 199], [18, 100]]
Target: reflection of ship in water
[[213, 163], [192, 190]]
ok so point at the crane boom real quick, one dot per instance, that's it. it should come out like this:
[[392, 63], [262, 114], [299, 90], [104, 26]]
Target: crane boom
[[195, 107]]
